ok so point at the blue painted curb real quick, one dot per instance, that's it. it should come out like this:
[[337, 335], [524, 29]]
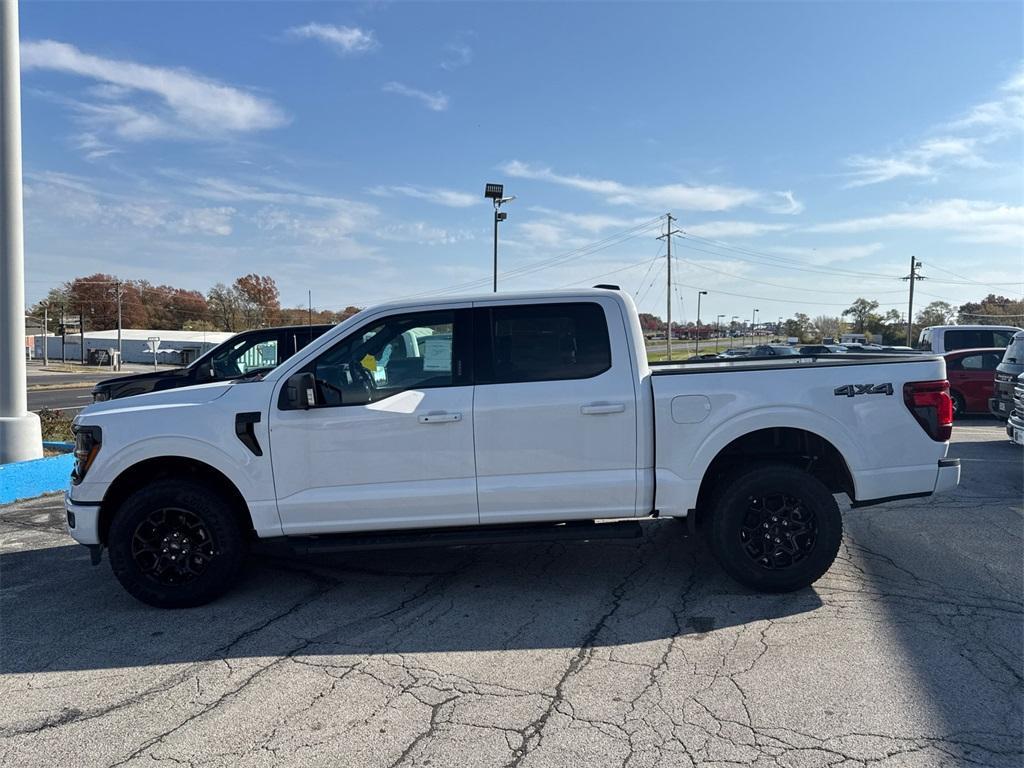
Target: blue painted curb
[[26, 479]]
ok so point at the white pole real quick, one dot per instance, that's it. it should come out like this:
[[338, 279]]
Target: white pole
[[20, 436]]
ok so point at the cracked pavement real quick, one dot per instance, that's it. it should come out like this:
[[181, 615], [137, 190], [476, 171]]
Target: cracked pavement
[[634, 653]]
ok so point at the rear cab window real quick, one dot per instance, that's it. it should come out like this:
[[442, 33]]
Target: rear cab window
[[541, 342]]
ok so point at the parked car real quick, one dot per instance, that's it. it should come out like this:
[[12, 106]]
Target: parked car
[[971, 374], [245, 354], [530, 416], [774, 350], [735, 352], [940, 339], [1009, 368], [872, 349], [1015, 424], [819, 349]]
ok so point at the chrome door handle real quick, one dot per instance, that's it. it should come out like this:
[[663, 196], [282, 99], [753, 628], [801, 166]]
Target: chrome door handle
[[439, 417], [593, 409]]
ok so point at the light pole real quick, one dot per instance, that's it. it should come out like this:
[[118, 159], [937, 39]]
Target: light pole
[[753, 322], [495, 192], [718, 330], [20, 433], [732, 330], [696, 343]]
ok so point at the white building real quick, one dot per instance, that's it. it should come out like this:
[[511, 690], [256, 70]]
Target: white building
[[176, 347]]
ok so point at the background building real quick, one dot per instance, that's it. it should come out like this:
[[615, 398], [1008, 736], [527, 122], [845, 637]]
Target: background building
[[176, 347]]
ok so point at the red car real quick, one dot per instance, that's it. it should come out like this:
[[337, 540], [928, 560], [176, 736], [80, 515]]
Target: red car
[[972, 374]]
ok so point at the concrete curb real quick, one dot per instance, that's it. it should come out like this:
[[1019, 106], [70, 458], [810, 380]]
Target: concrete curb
[[27, 479]]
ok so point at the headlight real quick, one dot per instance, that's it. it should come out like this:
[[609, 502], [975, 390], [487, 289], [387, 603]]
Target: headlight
[[100, 396], [87, 445]]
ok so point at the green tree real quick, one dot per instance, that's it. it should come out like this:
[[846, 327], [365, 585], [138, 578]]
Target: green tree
[[863, 312], [936, 313]]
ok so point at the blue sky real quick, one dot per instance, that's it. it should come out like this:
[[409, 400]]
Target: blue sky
[[807, 149]]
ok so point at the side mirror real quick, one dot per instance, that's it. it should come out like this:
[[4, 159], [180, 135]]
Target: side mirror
[[300, 391]]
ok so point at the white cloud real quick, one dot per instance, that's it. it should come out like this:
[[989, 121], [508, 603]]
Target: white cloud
[[958, 143], [546, 234], [788, 206], [422, 233], [724, 229], [590, 222], [663, 197], [975, 221], [341, 38], [226, 190], [75, 200], [829, 255], [446, 197], [437, 101], [187, 104], [457, 56]]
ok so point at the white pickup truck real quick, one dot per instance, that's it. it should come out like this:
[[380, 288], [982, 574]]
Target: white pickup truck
[[507, 417]]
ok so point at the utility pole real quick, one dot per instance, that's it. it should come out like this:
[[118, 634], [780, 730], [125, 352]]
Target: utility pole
[[117, 290], [668, 292], [753, 322], [20, 433], [63, 328], [46, 334], [81, 336], [913, 277]]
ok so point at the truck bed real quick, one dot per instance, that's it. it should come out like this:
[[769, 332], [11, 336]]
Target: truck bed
[[777, 363]]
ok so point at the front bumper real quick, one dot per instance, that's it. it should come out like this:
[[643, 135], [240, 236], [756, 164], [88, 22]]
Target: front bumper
[[82, 521], [1000, 407], [1015, 426]]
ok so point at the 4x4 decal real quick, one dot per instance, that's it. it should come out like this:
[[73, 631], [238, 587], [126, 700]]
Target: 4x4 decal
[[852, 390]]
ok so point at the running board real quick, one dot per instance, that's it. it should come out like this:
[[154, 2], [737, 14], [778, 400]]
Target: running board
[[586, 530]]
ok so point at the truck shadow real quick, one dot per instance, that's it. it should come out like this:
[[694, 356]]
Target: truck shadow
[[946, 576], [60, 614]]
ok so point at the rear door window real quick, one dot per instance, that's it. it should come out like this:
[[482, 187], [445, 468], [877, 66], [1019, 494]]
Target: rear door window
[[542, 342]]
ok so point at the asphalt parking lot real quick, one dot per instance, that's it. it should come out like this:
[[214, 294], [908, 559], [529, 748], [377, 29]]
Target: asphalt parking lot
[[638, 653]]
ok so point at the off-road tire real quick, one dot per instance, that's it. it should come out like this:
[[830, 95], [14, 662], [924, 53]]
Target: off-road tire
[[200, 524], [739, 501]]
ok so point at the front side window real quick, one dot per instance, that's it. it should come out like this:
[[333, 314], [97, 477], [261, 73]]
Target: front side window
[[544, 342], [412, 351]]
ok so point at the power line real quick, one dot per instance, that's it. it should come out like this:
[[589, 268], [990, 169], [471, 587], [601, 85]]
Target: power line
[[798, 265]]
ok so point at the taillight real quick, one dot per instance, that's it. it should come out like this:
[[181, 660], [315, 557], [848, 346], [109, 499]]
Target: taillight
[[932, 406]]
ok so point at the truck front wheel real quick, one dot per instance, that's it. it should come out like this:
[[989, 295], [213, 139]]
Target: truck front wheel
[[176, 544], [775, 528]]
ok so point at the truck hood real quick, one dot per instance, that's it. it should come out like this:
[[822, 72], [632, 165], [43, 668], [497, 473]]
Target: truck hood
[[170, 398]]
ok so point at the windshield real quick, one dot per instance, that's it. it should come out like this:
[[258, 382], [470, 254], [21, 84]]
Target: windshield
[[1015, 352], [243, 356]]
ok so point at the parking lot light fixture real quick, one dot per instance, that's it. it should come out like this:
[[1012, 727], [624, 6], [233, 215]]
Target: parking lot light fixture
[[696, 343], [496, 194]]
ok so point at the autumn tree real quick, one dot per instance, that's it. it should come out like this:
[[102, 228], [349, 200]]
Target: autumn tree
[[224, 308], [258, 300], [829, 326], [992, 310]]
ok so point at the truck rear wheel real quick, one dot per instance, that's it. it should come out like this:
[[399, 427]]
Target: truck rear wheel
[[176, 544], [775, 528]]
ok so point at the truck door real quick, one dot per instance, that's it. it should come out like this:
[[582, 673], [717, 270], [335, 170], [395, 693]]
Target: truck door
[[389, 441], [554, 415]]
